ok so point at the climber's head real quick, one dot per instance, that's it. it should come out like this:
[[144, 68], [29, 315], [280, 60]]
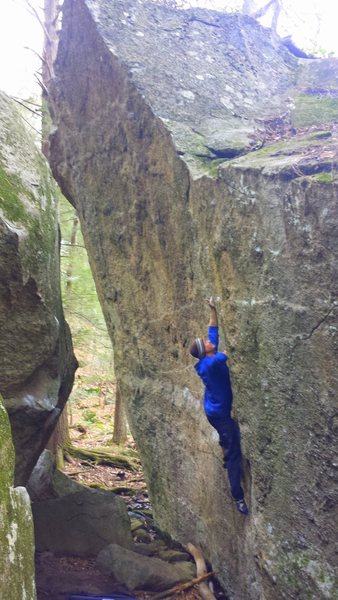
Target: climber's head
[[200, 348], [197, 348]]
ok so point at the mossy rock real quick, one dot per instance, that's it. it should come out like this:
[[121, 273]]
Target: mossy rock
[[135, 524], [173, 555], [314, 110], [16, 528], [141, 535]]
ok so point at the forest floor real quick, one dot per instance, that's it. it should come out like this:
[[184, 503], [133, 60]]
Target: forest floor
[[91, 421]]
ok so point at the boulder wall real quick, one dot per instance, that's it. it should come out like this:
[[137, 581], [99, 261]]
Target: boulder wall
[[193, 150], [37, 361], [16, 525]]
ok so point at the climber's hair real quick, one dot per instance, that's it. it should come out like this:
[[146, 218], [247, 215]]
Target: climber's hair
[[197, 348]]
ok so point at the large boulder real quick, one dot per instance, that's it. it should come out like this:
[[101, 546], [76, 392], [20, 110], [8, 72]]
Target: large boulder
[[195, 152], [137, 572], [81, 523], [37, 362], [16, 525]]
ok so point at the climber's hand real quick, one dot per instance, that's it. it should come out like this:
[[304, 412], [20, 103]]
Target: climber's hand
[[211, 302]]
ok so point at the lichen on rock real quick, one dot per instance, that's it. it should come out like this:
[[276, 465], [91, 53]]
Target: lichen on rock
[[16, 525]]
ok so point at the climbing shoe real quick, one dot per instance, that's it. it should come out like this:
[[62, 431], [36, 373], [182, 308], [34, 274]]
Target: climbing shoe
[[242, 507]]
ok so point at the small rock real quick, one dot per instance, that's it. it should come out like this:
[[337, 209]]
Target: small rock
[[144, 549], [142, 535], [135, 524]]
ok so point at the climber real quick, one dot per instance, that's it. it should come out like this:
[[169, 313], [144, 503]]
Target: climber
[[213, 370]]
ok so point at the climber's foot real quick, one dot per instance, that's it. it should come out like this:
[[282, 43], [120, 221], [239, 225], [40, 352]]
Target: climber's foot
[[242, 507]]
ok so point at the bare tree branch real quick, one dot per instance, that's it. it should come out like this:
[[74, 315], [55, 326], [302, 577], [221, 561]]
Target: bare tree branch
[[34, 112], [36, 14]]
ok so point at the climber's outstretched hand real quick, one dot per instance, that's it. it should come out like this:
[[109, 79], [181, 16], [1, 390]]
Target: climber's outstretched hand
[[213, 321], [211, 302]]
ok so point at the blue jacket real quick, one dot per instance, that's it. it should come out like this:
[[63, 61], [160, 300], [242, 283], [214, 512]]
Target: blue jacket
[[214, 372]]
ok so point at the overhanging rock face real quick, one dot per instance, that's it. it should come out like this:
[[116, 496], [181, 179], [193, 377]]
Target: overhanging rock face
[[37, 362], [194, 152]]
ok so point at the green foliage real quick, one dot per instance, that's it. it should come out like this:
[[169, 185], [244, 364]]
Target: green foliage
[[87, 392], [325, 177], [314, 109], [82, 308], [89, 416]]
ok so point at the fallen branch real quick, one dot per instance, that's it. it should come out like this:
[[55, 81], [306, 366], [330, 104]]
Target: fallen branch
[[181, 587], [201, 570]]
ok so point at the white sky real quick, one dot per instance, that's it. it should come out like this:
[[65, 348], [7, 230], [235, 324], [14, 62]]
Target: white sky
[[21, 35]]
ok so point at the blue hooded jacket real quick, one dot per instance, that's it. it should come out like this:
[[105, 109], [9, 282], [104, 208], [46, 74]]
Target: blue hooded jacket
[[215, 375]]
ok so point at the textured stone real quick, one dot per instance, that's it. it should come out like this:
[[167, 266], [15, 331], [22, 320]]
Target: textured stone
[[146, 145], [82, 523], [37, 363], [16, 525], [173, 555], [139, 572], [47, 482]]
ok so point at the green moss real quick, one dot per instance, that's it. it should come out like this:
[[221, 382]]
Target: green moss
[[210, 167], [10, 202], [320, 135], [204, 166], [6, 453], [325, 177], [281, 157], [12, 192], [33, 212], [292, 567], [16, 529], [314, 109]]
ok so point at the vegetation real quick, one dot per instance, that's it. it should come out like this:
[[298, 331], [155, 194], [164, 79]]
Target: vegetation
[[82, 309]]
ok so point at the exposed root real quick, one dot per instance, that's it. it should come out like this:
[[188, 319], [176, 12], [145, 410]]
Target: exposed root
[[184, 586], [201, 571]]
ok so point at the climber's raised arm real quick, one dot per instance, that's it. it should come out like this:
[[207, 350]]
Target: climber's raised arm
[[213, 320]]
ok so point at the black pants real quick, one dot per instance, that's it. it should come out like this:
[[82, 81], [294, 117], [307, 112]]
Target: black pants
[[229, 439]]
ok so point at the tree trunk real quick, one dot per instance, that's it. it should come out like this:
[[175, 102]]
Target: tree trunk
[[60, 436], [276, 7], [59, 439], [72, 242], [120, 419], [50, 46]]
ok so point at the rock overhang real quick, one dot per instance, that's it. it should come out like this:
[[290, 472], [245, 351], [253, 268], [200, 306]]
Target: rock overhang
[[200, 72], [219, 82]]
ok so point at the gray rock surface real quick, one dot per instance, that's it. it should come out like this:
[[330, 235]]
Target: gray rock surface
[[16, 525], [47, 482], [145, 146], [138, 572], [37, 362], [81, 523]]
